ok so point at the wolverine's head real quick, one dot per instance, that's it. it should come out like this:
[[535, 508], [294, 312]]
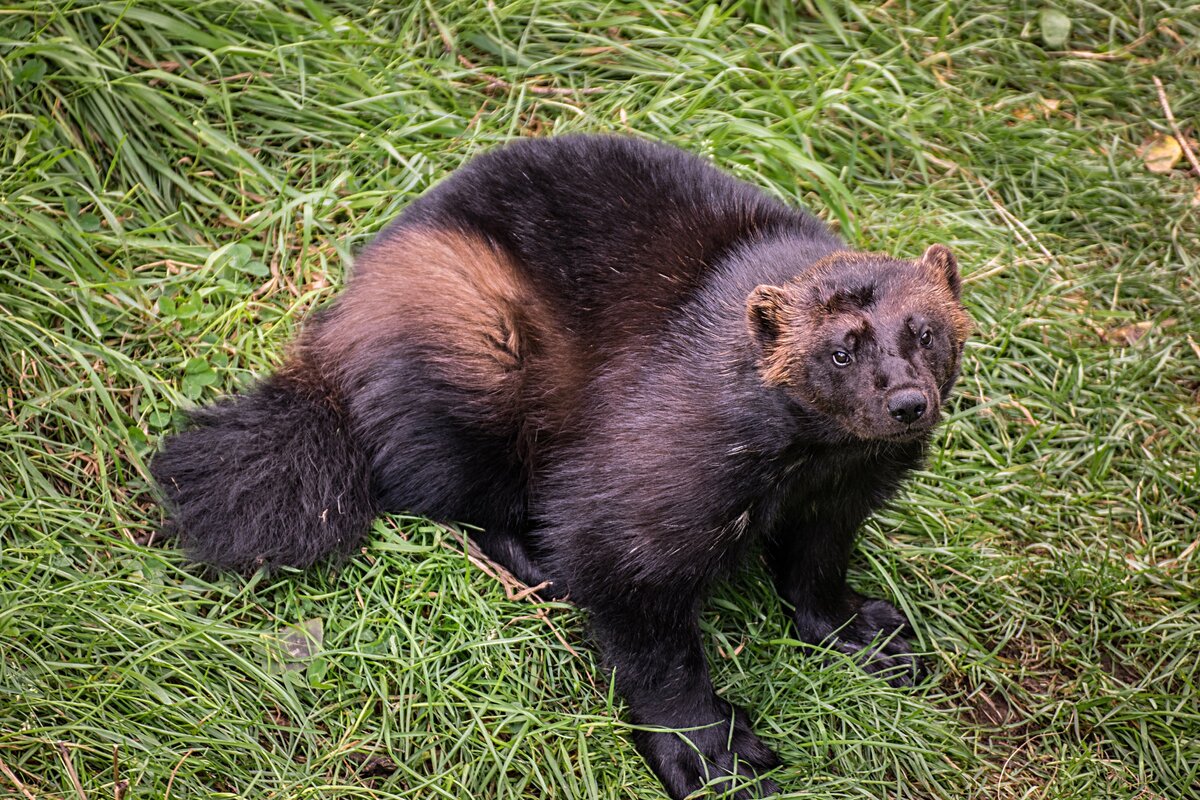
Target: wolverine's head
[[869, 341]]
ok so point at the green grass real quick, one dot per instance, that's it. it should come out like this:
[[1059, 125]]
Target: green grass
[[180, 183]]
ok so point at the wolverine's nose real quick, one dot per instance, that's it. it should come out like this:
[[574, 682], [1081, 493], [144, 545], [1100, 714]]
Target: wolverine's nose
[[907, 406]]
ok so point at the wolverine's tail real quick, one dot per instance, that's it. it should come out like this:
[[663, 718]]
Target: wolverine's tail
[[268, 478]]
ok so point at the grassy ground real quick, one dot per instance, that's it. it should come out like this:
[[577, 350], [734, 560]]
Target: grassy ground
[[180, 183]]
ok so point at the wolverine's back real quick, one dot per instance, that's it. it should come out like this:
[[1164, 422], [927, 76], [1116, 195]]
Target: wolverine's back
[[610, 228]]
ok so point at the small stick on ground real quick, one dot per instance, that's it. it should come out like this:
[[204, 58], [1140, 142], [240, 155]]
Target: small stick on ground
[[1179, 137], [174, 772], [514, 589], [1126, 51], [119, 786], [65, 754], [8, 773]]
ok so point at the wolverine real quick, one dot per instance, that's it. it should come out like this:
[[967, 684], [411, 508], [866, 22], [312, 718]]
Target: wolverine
[[627, 370]]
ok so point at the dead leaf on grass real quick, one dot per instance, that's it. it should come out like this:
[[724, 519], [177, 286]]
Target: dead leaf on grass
[[294, 647], [368, 766], [1160, 153], [1127, 335]]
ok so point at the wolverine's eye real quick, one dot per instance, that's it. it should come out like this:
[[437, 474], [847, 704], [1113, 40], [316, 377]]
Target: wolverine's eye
[[842, 358], [926, 338]]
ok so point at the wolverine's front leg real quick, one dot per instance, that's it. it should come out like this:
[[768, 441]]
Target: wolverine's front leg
[[651, 641], [808, 559]]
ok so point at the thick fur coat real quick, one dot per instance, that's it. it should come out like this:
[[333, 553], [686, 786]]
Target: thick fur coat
[[626, 368]]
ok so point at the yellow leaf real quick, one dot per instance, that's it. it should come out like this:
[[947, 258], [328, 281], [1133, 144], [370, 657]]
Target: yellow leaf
[[1127, 335], [1160, 153]]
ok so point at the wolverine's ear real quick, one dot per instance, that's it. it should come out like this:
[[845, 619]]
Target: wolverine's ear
[[941, 261], [766, 309]]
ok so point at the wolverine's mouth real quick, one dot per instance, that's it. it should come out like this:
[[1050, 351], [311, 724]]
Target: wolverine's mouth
[[889, 437], [870, 431], [904, 436]]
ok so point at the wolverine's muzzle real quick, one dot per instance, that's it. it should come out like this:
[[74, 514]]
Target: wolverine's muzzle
[[906, 406]]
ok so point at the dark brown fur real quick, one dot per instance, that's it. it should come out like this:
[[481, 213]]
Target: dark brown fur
[[627, 369]]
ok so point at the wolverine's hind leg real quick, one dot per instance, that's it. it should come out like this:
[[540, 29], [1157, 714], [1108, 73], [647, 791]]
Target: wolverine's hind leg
[[513, 551], [430, 456], [435, 335]]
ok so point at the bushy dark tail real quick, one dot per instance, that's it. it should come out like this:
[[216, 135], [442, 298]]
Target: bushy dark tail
[[268, 478]]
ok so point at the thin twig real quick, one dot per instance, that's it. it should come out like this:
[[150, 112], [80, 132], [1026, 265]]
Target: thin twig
[[119, 786], [1179, 137], [1115, 55], [171, 780], [514, 588], [1195, 347], [8, 773], [65, 754], [1014, 224], [1012, 220], [1166, 31], [1125, 51]]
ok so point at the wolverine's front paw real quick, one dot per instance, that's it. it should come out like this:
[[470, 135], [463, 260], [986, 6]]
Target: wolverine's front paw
[[873, 631], [724, 759]]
